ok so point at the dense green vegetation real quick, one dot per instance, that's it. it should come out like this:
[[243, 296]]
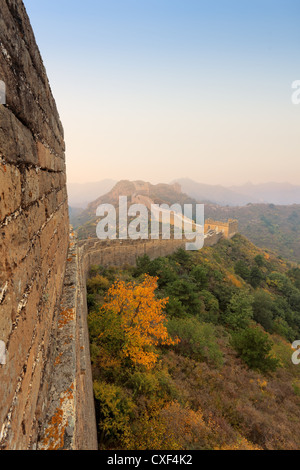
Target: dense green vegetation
[[227, 380]]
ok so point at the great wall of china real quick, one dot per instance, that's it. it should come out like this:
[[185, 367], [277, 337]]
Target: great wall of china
[[46, 384]]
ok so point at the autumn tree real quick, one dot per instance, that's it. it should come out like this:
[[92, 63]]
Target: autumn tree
[[135, 321]]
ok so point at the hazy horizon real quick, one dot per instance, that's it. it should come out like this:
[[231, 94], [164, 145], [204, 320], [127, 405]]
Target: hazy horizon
[[154, 182], [156, 90]]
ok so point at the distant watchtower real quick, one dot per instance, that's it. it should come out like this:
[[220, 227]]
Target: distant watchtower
[[229, 229]]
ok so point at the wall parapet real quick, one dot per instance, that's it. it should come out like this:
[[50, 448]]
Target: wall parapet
[[70, 422], [121, 252]]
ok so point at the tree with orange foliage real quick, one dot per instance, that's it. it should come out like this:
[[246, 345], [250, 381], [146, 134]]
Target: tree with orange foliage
[[135, 317]]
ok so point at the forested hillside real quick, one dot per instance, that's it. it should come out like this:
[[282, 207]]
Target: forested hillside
[[193, 351], [266, 225]]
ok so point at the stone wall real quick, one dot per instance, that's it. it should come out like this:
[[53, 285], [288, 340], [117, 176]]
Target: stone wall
[[125, 252], [33, 228], [212, 238]]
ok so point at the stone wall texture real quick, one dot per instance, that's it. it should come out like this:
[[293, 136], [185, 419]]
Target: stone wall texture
[[34, 229], [125, 252]]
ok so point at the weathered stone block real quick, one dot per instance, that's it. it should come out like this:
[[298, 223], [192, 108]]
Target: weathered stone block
[[30, 186], [36, 218], [48, 160], [10, 190], [16, 141]]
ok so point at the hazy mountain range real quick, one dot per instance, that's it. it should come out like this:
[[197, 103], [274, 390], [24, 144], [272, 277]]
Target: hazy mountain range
[[267, 193], [80, 195], [157, 194]]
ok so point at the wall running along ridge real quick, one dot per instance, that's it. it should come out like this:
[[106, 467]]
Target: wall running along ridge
[[121, 253]]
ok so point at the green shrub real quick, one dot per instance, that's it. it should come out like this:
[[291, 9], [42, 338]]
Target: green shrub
[[197, 340], [223, 293], [163, 269], [212, 309], [142, 265], [281, 283], [200, 276], [254, 347], [294, 275], [106, 331], [175, 308], [263, 310], [185, 291], [282, 328], [239, 312], [114, 410], [160, 267], [142, 383], [256, 277], [242, 270], [183, 258], [260, 261], [97, 284], [91, 301]]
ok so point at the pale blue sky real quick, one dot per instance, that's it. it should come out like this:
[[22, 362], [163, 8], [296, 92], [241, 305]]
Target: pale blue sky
[[161, 89]]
